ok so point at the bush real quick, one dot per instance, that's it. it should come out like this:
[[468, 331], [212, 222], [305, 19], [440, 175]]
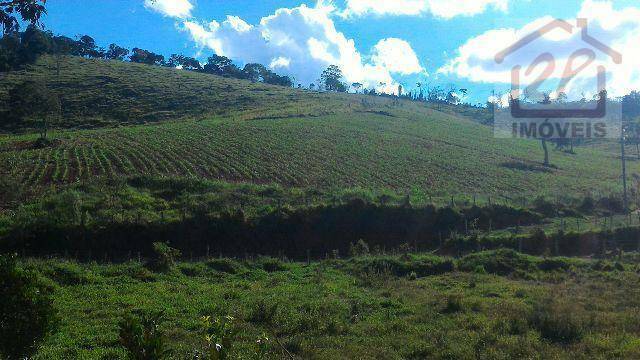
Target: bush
[[602, 265], [270, 264], [263, 311], [191, 270], [558, 322], [499, 262], [142, 337], [359, 249], [551, 264], [220, 334], [164, 257], [27, 314], [228, 266], [421, 265], [69, 273], [454, 304]]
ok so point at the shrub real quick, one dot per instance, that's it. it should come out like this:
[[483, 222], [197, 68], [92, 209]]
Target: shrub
[[558, 322], [602, 265], [261, 348], [413, 275], [454, 304], [551, 264], [270, 264], [263, 312], [69, 273], [142, 337], [588, 205], [360, 248], [421, 265], [219, 337], [499, 262], [164, 257], [545, 207], [27, 314], [228, 266], [191, 269]]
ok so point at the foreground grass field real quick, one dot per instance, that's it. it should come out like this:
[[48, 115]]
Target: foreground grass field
[[487, 305]]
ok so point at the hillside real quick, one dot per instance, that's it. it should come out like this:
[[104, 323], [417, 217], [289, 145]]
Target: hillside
[[96, 93], [236, 131]]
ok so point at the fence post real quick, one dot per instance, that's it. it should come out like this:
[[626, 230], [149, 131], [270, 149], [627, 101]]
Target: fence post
[[520, 244]]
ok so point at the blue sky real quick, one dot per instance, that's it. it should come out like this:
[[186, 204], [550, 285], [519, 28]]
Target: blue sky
[[434, 33]]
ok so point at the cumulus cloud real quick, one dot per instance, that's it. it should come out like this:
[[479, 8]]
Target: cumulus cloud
[[445, 9], [303, 41], [397, 56], [180, 9], [617, 28]]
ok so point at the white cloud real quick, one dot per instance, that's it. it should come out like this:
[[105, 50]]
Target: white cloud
[[445, 9], [617, 28], [302, 42], [180, 9], [281, 62], [397, 56]]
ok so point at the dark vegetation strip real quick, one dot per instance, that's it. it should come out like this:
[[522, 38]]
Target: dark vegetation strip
[[312, 232]]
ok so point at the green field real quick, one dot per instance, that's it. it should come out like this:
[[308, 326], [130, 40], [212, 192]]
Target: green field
[[495, 306], [283, 136]]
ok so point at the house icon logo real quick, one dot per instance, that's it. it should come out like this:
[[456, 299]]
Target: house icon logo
[[552, 114]]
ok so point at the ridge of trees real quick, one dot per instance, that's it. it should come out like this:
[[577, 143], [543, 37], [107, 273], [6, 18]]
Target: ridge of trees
[[21, 48]]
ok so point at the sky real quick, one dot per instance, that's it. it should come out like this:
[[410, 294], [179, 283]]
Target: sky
[[379, 43]]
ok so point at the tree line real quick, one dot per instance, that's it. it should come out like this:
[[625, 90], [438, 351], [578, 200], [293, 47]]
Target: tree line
[[21, 48]]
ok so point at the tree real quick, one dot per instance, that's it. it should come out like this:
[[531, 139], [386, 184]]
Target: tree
[[356, 86], [254, 72], [10, 47], [332, 79], [87, 48], [27, 314], [184, 62], [146, 57], [116, 52], [29, 10], [421, 95], [221, 65], [631, 105], [65, 45], [34, 42], [33, 101], [274, 79], [435, 94], [191, 64], [546, 100]]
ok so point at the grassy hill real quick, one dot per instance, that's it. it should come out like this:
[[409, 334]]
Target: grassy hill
[[96, 93], [236, 131]]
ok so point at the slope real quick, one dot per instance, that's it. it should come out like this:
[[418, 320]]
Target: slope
[[237, 131]]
